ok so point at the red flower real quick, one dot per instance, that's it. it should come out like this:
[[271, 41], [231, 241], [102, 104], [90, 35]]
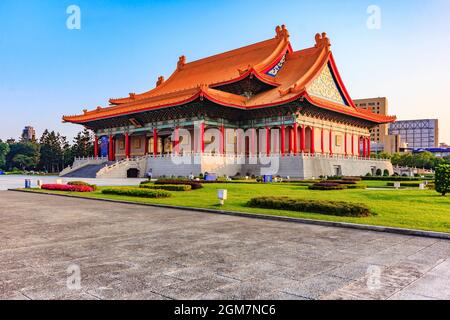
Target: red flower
[[65, 187]]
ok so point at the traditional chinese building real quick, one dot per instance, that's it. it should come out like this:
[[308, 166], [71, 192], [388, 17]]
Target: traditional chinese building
[[291, 104]]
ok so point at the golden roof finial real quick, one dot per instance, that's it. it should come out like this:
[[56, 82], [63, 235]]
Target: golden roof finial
[[181, 62], [281, 32], [322, 40], [160, 81]]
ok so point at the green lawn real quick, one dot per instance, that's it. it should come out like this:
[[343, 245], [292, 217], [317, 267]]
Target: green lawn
[[408, 208]]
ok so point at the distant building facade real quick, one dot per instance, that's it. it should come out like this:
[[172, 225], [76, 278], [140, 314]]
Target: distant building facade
[[417, 134], [28, 134], [379, 135]]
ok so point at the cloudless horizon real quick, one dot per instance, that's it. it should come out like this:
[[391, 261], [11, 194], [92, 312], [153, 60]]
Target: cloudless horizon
[[47, 70]]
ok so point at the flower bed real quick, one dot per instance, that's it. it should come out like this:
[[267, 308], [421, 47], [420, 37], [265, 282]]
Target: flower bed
[[82, 183], [327, 186], [168, 187], [65, 187], [336, 208], [137, 192]]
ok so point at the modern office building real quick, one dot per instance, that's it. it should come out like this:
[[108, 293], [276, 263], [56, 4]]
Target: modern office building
[[417, 134], [29, 134], [380, 138]]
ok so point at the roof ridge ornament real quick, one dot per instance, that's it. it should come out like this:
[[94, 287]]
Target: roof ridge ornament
[[181, 62], [282, 32], [132, 95], [160, 81], [322, 40]]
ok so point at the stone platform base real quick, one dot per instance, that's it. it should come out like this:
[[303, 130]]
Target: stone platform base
[[300, 166]]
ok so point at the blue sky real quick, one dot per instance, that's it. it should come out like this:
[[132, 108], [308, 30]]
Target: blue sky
[[47, 70]]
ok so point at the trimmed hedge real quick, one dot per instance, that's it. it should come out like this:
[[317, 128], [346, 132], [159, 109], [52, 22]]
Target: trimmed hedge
[[82, 183], [327, 186], [168, 187], [336, 208], [137, 192], [347, 182], [194, 184], [65, 187], [356, 186]]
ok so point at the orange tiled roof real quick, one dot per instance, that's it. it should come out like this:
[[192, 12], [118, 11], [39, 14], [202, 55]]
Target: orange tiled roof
[[199, 78]]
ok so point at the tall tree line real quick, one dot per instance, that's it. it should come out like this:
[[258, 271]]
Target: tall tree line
[[51, 153]]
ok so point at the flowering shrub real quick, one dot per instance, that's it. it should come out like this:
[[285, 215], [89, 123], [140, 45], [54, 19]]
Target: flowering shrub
[[65, 187], [82, 183]]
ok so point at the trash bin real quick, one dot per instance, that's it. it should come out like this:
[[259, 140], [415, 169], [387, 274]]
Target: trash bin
[[267, 179], [27, 183]]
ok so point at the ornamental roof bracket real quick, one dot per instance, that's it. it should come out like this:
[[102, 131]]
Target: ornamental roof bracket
[[322, 40], [281, 32], [242, 71], [160, 81], [181, 62]]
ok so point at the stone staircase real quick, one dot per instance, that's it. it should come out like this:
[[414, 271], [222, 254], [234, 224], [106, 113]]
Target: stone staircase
[[119, 169], [88, 171]]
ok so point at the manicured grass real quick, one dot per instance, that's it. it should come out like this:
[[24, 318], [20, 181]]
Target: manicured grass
[[409, 208]]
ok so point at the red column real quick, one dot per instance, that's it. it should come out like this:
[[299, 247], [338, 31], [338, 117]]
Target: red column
[[322, 145], [364, 147], [302, 139], [268, 141], [345, 143], [331, 142], [127, 145], [202, 137], [176, 142], [155, 142], [283, 140], [291, 140], [254, 143], [111, 148], [313, 147], [96, 146], [145, 145], [353, 144], [368, 148], [295, 138], [222, 139]]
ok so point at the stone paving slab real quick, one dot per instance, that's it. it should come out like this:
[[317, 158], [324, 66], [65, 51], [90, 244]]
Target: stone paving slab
[[133, 252]]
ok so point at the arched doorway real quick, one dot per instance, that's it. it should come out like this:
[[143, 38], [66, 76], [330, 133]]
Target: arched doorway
[[133, 173]]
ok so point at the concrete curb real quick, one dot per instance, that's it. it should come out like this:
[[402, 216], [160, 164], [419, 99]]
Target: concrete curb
[[407, 232]]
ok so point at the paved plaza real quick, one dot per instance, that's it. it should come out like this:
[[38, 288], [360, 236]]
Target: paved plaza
[[18, 181], [125, 251]]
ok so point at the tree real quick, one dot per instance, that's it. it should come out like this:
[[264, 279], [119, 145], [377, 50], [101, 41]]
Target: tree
[[4, 150], [443, 179], [54, 156], [28, 149], [83, 144], [23, 162]]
